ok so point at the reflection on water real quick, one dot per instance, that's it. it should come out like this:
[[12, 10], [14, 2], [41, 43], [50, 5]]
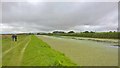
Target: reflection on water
[[113, 46], [110, 43]]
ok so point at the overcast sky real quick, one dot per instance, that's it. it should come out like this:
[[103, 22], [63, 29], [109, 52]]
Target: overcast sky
[[50, 16]]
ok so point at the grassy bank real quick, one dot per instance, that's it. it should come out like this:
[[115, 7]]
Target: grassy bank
[[31, 51]]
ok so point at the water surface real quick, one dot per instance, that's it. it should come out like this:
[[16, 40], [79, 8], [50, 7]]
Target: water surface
[[85, 52]]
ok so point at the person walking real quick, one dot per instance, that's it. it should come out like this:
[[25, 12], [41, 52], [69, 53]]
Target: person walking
[[14, 37]]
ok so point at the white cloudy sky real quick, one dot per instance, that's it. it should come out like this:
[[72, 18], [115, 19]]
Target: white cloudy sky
[[50, 16]]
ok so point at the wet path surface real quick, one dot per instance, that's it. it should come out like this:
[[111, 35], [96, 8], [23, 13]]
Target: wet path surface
[[85, 52]]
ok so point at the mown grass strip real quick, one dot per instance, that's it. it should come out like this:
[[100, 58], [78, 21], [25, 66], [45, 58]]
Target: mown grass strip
[[14, 46], [11, 58], [22, 51], [7, 42]]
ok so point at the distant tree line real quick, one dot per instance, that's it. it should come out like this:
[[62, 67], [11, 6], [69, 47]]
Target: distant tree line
[[92, 34]]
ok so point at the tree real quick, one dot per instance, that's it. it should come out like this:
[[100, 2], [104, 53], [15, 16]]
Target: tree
[[57, 32], [71, 32], [92, 32], [110, 31], [38, 33], [86, 32]]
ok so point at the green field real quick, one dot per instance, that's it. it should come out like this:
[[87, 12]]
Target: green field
[[31, 51]]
